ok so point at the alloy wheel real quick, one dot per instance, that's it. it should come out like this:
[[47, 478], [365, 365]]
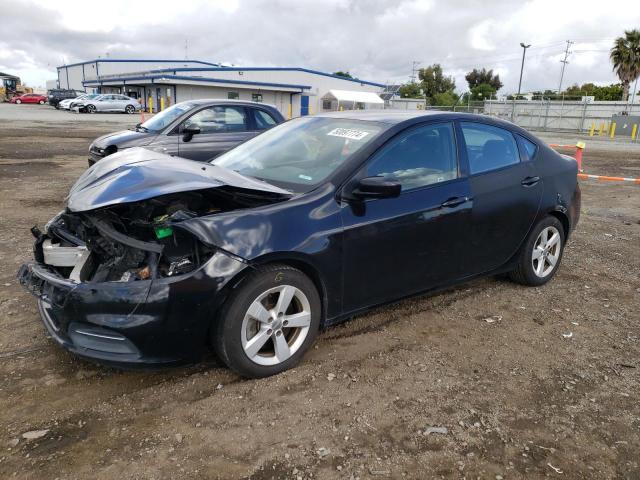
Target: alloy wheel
[[546, 251], [275, 325]]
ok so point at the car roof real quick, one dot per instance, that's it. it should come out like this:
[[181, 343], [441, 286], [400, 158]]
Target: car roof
[[394, 117], [221, 101]]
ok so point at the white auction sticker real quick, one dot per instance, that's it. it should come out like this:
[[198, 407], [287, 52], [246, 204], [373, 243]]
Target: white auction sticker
[[348, 133]]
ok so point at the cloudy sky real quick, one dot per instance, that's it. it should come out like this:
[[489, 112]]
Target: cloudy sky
[[373, 39]]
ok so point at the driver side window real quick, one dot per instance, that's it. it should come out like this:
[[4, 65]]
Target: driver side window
[[418, 157], [218, 119]]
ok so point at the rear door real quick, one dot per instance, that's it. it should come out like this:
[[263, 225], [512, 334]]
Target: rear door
[[394, 247], [222, 127], [506, 190]]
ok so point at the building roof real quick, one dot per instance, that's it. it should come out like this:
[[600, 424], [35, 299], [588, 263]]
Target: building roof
[[217, 67]]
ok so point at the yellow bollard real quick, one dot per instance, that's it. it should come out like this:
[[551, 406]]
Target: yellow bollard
[[310, 112], [290, 112], [161, 103], [341, 108], [634, 130], [613, 130], [601, 129], [592, 129], [151, 104]]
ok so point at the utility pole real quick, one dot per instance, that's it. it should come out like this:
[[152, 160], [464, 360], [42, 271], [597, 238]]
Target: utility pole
[[564, 64], [414, 69]]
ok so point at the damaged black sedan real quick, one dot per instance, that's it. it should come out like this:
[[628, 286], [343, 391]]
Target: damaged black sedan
[[156, 258]]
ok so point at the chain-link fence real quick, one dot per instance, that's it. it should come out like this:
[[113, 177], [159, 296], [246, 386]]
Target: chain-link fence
[[546, 115]]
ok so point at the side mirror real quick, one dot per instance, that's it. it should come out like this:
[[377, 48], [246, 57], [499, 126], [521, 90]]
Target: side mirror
[[189, 132], [377, 187]]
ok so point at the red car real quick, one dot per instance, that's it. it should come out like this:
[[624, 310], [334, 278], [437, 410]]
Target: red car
[[30, 98]]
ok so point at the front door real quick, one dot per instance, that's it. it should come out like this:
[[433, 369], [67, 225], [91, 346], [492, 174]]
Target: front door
[[506, 196], [221, 127], [304, 105], [394, 247]]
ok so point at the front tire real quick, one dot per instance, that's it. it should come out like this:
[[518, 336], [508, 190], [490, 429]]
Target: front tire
[[541, 254], [18, 102], [268, 323], [90, 108]]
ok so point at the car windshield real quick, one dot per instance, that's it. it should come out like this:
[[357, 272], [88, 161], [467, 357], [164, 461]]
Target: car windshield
[[163, 119], [300, 154]]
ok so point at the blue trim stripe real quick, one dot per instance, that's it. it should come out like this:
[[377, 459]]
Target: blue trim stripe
[[196, 79], [266, 69]]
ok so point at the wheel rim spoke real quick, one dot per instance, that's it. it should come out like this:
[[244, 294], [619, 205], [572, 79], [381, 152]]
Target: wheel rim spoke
[[284, 299], [302, 319], [256, 342], [257, 311], [546, 251], [281, 348]]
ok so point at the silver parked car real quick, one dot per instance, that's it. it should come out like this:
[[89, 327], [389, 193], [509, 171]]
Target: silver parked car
[[111, 102]]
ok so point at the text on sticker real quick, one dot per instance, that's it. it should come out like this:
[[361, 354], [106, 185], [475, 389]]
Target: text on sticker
[[348, 133]]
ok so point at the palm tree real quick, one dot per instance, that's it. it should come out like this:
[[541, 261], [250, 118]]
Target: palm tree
[[625, 56]]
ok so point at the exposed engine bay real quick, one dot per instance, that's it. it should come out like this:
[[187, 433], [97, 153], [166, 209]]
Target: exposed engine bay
[[140, 240]]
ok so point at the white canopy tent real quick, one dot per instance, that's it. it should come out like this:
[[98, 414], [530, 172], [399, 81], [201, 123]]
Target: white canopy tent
[[352, 97]]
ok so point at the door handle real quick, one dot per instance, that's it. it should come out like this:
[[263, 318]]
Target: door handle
[[530, 181], [454, 202]]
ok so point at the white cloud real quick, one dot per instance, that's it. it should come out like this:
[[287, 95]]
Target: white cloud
[[373, 39]]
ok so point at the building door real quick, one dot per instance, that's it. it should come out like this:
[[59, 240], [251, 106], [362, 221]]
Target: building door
[[158, 97], [304, 105]]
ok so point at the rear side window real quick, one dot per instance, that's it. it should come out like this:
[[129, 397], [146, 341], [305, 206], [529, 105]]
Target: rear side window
[[529, 147], [421, 156], [262, 119], [218, 119], [489, 147]]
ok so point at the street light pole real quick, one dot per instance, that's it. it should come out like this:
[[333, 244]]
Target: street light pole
[[524, 52], [513, 104]]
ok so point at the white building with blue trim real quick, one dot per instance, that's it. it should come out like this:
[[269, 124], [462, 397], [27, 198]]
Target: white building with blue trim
[[294, 91]]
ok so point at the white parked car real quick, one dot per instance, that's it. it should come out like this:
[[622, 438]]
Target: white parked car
[[111, 102], [67, 103]]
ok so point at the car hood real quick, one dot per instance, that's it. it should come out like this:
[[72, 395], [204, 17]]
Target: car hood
[[138, 174], [124, 137]]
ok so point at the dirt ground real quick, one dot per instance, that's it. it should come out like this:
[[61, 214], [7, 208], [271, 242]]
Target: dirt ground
[[488, 364]]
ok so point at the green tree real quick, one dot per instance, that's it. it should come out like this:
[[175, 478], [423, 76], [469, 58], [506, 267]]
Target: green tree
[[410, 90], [625, 57], [476, 77], [433, 81], [340, 73], [484, 91], [445, 99]]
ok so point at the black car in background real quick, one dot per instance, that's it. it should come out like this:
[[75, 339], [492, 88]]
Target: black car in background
[[303, 226], [196, 129], [56, 95]]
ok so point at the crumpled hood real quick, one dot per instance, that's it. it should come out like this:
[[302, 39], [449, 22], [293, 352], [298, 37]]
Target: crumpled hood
[[124, 138], [138, 174]]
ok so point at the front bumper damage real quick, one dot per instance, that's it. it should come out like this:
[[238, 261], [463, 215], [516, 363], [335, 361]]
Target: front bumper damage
[[151, 322]]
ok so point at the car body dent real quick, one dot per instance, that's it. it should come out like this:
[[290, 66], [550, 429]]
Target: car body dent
[[138, 174]]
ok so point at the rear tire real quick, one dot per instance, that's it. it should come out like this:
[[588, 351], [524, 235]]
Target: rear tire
[[129, 109], [268, 323], [540, 256], [41, 102]]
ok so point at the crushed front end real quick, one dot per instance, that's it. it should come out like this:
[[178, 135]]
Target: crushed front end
[[125, 285]]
